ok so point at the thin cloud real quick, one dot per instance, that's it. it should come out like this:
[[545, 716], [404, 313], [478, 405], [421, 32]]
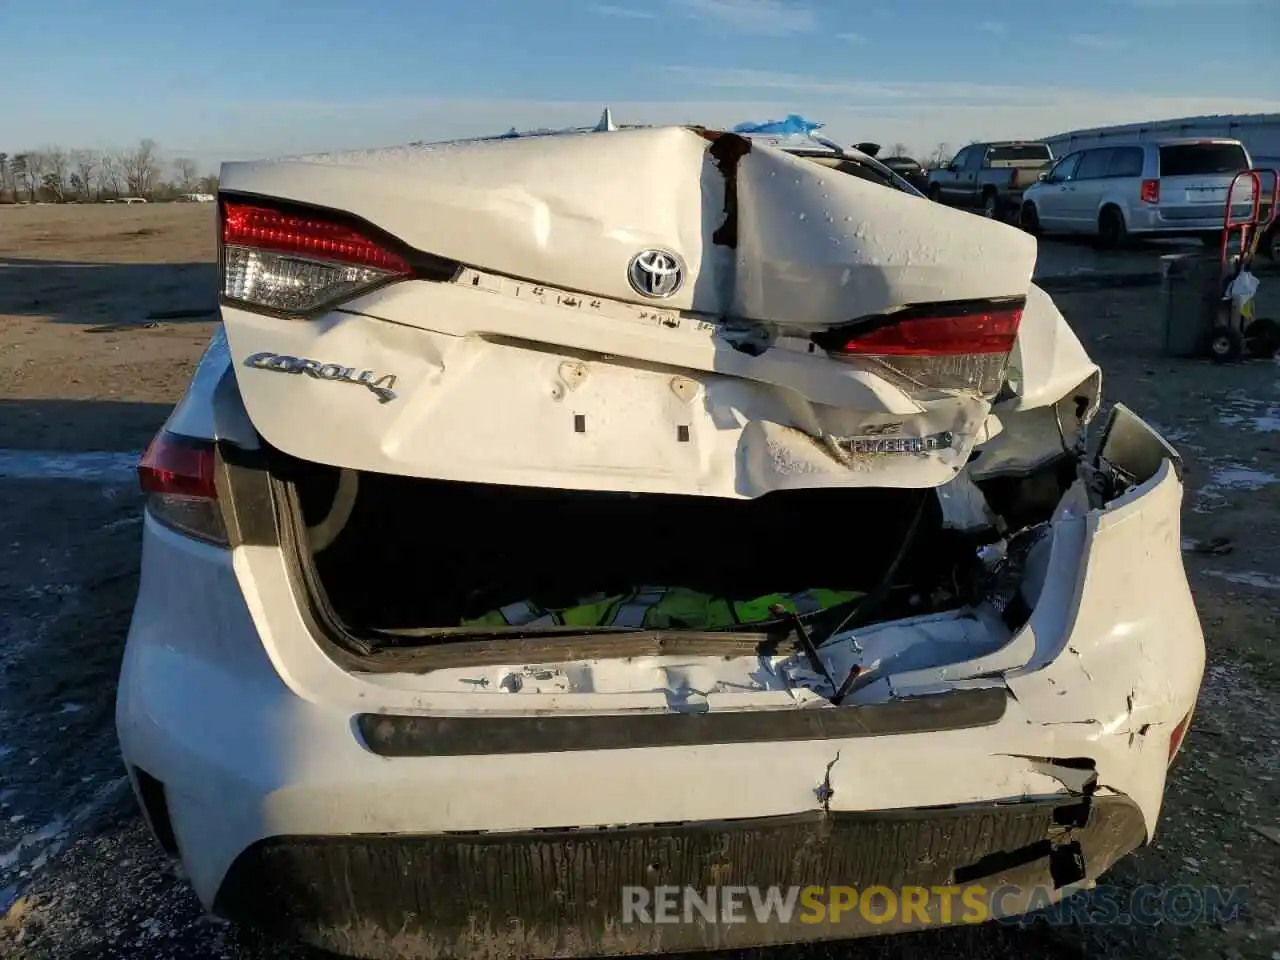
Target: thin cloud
[[623, 13], [1196, 4], [851, 37], [223, 129], [993, 26], [1098, 41], [871, 90], [764, 17]]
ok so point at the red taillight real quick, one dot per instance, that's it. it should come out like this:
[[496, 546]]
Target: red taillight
[[178, 465], [992, 331], [299, 261], [177, 474], [262, 228], [1150, 191], [952, 347]]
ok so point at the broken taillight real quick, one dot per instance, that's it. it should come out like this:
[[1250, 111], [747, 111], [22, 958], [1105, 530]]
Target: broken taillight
[[953, 346], [1179, 734], [297, 261], [177, 474]]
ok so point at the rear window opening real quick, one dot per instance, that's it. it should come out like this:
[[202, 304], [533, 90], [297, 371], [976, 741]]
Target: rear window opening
[[392, 554], [1198, 159], [1021, 153]]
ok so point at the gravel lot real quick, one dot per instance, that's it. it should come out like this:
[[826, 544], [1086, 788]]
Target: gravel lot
[[104, 311]]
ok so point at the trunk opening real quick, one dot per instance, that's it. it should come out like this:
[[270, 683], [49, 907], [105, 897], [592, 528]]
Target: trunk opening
[[390, 553]]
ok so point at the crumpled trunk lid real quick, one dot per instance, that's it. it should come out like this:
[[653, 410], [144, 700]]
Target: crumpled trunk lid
[[544, 360], [809, 246]]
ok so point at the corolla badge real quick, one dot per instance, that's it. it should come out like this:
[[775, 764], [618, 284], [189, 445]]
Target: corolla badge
[[883, 444], [381, 385], [656, 274]]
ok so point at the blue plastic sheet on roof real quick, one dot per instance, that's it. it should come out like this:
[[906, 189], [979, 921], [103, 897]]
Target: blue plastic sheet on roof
[[794, 124]]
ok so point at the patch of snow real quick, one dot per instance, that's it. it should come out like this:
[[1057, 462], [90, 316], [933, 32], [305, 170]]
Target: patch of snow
[[94, 467], [50, 831], [1247, 578], [1230, 476], [1242, 410], [1236, 477]]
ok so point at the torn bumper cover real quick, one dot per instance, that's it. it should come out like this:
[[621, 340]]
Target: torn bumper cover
[[576, 892], [445, 813]]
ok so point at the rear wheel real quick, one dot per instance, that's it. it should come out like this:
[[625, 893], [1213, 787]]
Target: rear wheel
[[1262, 338], [1226, 345], [1029, 219], [990, 205], [1270, 244], [1112, 233], [934, 192]]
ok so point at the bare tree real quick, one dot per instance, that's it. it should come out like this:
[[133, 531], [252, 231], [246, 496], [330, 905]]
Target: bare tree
[[209, 184], [54, 187], [35, 171], [18, 172], [941, 154], [187, 170], [899, 149], [56, 166], [141, 168], [108, 174], [83, 163], [4, 174]]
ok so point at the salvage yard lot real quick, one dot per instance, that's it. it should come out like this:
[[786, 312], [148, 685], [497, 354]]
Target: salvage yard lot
[[103, 313]]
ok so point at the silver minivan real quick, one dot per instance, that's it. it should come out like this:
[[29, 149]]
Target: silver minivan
[[1161, 188]]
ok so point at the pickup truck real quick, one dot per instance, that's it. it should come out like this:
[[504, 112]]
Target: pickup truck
[[990, 176]]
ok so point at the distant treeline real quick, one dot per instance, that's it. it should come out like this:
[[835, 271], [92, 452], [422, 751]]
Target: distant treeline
[[57, 175]]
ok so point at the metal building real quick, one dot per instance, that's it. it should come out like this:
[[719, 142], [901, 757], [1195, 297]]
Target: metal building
[[1259, 132]]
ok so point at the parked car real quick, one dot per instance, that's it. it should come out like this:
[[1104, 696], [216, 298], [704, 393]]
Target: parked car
[[778, 556], [989, 176], [909, 169], [1169, 188]]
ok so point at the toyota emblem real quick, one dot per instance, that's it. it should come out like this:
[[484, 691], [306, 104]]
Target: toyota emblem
[[656, 273]]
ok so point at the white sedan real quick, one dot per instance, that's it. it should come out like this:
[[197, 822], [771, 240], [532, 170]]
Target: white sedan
[[558, 517]]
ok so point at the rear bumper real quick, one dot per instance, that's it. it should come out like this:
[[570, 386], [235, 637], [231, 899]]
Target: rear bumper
[[592, 892], [273, 765], [1152, 220]]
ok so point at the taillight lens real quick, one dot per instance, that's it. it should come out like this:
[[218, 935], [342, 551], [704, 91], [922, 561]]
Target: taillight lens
[[296, 263], [946, 347], [177, 474], [1179, 734], [1150, 191]]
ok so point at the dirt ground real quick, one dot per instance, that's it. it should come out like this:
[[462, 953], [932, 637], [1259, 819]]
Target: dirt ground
[[103, 313]]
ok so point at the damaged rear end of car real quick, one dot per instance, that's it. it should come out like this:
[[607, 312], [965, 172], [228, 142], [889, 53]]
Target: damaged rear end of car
[[600, 537]]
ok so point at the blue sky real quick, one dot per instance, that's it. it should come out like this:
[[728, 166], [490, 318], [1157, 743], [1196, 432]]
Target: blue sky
[[241, 79]]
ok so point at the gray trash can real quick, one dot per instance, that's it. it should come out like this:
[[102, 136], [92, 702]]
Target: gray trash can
[[1190, 289]]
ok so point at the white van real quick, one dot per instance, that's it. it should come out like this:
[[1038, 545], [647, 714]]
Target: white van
[[1170, 188]]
